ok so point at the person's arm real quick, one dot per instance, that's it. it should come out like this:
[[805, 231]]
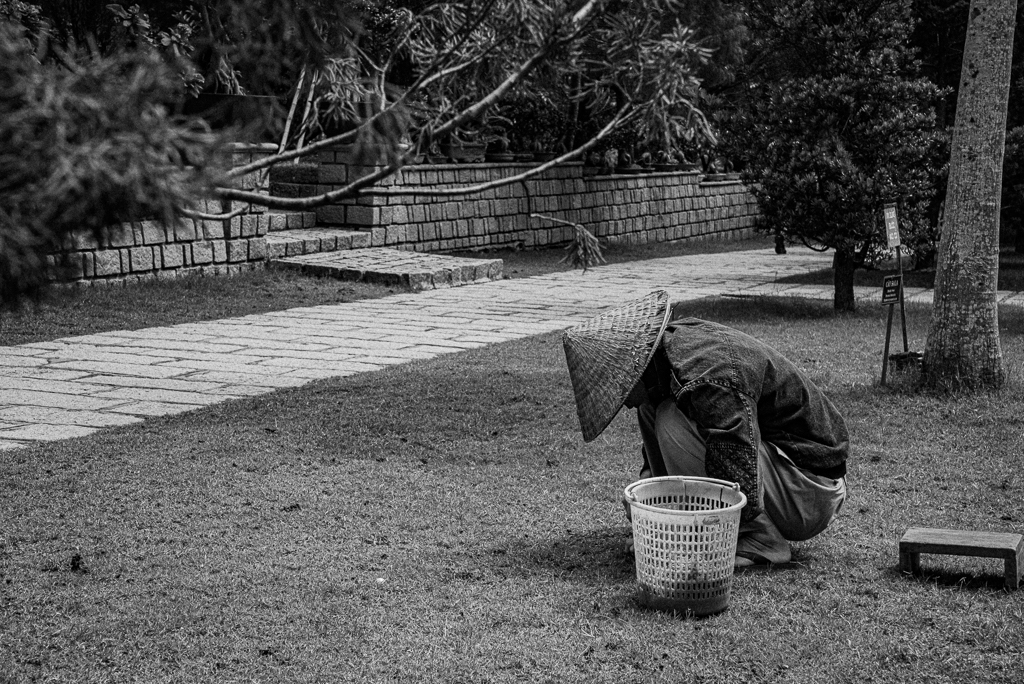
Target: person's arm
[[728, 419]]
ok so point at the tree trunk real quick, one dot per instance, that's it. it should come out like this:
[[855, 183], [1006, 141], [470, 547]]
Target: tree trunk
[[962, 350], [844, 263]]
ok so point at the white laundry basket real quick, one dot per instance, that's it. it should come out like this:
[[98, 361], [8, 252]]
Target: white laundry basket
[[684, 539]]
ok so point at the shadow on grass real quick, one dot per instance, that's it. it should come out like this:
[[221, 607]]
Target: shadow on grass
[[738, 309], [1011, 320], [594, 557], [772, 568], [599, 556], [992, 581], [1011, 275]]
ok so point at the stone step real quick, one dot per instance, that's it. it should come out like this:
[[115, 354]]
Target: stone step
[[285, 219], [289, 243], [387, 266]]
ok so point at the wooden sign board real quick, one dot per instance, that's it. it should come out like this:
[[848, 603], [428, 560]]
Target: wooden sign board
[[892, 226], [891, 289]]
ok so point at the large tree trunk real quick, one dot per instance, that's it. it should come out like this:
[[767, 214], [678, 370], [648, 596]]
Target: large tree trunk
[[844, 264], [962, 351]]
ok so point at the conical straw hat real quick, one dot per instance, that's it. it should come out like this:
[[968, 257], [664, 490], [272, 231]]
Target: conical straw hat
[[607, 355]]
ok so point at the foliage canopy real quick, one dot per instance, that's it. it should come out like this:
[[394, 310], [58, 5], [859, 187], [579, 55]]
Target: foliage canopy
[[833, 124], [93, 94], [85, 145]]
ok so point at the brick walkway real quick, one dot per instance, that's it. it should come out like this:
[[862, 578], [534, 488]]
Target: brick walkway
[[74, 386]]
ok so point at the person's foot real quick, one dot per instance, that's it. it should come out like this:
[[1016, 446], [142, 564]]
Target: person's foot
[[761, 543], [743, 561]]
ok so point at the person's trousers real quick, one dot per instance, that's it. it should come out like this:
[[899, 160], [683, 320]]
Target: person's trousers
[[796, 504]]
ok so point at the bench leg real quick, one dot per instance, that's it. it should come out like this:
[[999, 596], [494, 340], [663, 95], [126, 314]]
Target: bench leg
[[1011, 573], [911, 562]]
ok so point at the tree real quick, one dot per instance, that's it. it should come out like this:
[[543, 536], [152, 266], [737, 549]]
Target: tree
[[392, 77], [962, 350], [453, 63], [831, 123], [86, 145], [939, 38]]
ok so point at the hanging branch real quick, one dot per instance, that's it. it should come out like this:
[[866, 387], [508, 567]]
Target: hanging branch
[[364, 186], [627, 110], [584, 250], [564, 34], [192, 214]]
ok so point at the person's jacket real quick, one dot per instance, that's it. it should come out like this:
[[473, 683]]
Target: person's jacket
[[740, 392]]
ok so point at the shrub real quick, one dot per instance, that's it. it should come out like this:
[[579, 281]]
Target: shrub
[[837, 125], [85, 145]]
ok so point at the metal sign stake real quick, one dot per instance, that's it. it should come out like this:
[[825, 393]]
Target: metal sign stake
[[892, 286]]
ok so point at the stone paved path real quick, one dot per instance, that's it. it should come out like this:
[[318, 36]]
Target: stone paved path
[[74, 386]]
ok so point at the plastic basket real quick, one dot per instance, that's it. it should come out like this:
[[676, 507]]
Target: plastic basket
[[684, 541]]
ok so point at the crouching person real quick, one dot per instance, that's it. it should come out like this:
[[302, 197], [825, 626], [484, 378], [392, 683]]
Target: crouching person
[[714, 402]]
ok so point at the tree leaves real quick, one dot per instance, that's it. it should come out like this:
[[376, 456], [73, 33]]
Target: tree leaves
[[87, 148], [836, 122]]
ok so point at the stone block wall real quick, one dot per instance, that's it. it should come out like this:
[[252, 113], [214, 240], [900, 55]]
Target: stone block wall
[[148, 249], [633, 208], [629, 208]]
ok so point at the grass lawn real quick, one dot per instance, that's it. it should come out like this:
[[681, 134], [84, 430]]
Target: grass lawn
[[67, 312], [443, 521]]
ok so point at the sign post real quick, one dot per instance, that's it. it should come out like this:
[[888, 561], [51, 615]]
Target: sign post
[[892, 286]]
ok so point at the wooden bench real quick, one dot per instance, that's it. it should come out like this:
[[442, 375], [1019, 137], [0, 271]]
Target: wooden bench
[[1008, 546]]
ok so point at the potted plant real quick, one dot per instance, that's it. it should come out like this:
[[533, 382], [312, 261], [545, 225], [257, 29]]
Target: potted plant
[[463, 147], [495, 133], [542, 151], [685, 164], [497, 151], [626, 164], [664, 160], [536, 124], [434, 154]]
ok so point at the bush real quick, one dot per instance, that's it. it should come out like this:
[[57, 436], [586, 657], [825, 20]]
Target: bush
[[85, 145], [535, 119], [838, 125]]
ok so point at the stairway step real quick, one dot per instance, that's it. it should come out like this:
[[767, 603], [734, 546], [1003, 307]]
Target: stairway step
[[288, 243], [290, 219], [387, 266]]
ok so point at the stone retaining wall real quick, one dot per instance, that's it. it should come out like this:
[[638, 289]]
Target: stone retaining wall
[[148, 249], [631, 208], [635, 208]]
